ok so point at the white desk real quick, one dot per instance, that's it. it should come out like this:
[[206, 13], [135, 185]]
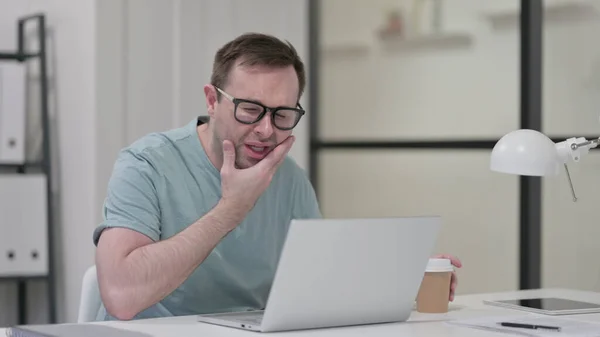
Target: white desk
[[427, 325]]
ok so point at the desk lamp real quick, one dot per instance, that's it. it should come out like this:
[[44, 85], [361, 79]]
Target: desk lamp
[[531, 153]]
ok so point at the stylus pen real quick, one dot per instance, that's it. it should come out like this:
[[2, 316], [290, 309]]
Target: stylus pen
[[529, 326]]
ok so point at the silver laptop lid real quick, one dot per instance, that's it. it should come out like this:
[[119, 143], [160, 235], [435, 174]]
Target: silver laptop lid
[[336, 272]]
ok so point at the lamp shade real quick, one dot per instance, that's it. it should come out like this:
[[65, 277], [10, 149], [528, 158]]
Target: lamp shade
[[525, 152]]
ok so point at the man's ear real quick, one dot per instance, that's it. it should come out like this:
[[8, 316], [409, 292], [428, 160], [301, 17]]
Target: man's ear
[[211, 99]]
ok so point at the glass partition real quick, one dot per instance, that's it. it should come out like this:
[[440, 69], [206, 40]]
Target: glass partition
[[412, 97]]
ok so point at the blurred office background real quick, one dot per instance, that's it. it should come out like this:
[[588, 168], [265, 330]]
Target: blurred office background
[[406, 106]]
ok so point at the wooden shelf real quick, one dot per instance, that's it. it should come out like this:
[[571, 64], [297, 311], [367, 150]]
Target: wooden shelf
[[345, 48], [572, 9], [435, 40]]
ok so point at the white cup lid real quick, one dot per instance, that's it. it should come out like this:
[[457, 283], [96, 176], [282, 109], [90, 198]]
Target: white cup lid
[[439, 265]]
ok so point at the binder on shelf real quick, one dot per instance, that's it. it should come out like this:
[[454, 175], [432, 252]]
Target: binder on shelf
[[23, 225], [12, 112]]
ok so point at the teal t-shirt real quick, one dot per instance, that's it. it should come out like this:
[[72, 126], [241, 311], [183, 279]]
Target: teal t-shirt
[[164, 182]]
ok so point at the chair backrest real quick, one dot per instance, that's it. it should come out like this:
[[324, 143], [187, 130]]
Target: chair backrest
[[90, 301]]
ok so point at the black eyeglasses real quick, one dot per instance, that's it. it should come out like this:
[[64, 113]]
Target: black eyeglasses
[[250, 112]]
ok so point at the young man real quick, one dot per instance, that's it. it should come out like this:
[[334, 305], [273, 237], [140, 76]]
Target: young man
[[195, 217]]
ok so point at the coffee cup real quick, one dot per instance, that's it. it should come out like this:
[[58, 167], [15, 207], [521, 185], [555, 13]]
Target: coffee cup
[[434, 292]]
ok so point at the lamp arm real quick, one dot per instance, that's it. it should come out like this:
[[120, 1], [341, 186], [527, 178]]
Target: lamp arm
[[573, 149]]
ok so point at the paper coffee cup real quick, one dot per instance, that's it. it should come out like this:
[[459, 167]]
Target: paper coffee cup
[[434, 293]]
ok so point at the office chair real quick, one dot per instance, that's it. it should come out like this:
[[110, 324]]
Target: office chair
[[90, 301]]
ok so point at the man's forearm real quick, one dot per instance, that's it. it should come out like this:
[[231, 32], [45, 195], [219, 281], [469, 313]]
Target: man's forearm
[[150, 273]]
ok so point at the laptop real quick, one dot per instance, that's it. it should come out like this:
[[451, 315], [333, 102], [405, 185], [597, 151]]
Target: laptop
[[343, 272]]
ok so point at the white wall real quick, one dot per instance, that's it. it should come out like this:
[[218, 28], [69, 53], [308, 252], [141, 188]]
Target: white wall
[[464, 88], [123, 69]]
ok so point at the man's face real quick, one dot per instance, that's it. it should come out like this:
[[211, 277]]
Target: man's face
[[270, 86]]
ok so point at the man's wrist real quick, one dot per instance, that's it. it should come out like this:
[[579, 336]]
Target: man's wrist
[[228, 215]]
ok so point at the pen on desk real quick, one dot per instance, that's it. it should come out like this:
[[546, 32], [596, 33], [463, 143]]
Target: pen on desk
[[529, 326]]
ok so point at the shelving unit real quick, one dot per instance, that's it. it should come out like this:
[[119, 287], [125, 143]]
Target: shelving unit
[[350, 47], [43, 165]]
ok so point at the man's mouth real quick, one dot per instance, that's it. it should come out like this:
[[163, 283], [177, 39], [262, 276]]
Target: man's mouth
[[257, 151], [259, 148]]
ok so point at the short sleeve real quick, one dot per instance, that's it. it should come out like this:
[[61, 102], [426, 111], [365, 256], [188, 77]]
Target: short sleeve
[[132, 199], [306, 205]]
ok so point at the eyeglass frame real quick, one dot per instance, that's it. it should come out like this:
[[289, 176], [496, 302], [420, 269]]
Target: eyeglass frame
[[236, 101]]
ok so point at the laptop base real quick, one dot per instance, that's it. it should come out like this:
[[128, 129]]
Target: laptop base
[[246, 320]]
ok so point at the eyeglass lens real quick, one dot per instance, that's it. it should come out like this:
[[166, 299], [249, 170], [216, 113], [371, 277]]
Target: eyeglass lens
[[248, 112]]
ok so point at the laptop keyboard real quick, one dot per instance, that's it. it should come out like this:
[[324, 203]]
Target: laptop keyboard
[[250, 318]]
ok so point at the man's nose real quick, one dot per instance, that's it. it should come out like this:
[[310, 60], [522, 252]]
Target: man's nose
[[264, 127]]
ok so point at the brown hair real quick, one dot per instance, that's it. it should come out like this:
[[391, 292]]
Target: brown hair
[[256, 49]]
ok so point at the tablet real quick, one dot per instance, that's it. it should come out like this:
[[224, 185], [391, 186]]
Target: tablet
[[548, 305]]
